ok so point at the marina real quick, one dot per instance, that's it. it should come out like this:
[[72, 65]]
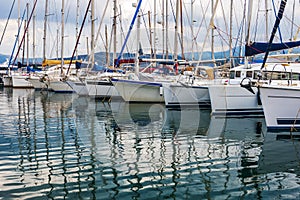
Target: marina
[[168, 99], [68, 146]]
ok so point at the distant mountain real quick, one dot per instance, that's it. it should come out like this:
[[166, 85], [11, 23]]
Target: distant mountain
[[100, 57], [3, 58]]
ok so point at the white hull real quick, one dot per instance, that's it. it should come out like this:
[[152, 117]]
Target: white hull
[[234, 100], [19, 81], [78, 87], [102, 89], [38, 84], [60, 86], [281, 106], [178, 95], [7, 81], [139, 91]]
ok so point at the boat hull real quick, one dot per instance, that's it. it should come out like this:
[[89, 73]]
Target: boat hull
[[139, 91], [78, 87], [38, 84], [101, 89], [177, 95], [20, 81], [234, 100], [60, 87], [7, 81], [281, 106]]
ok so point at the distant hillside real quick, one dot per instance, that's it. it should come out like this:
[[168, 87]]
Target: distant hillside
[[3, 58], [100, 57]]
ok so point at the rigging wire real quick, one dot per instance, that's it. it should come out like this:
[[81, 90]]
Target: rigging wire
[[203, 20], [9, 15], [256, 22], [85, 15], [26, 29], [13, 50], [275, 13]]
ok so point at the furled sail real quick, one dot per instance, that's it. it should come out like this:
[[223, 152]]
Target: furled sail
[[261, 47], [58, 62], [276, 25]]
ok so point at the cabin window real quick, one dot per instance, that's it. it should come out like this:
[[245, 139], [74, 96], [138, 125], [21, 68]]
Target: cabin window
[[231, 74], [256, 73], [296, 77], [249, 74], [283, 76], [238, 74]]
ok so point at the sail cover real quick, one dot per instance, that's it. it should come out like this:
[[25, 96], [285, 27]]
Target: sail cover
[[261, 47], [257, 48]]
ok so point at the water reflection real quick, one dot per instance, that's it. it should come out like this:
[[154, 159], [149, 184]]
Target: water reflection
[[187, 121], [64, 146]]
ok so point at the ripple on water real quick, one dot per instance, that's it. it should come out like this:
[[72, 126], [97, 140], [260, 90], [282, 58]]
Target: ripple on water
[[49, 149]]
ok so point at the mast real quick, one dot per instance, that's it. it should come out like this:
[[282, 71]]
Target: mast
[[267, 23], [27, 35], [230, 33], [150, 28], [176, 37], [45, 30], [87, 46], [115, 30], [77, 25], [212, 31], [93, 32], [250, 6], [23, 44], [138, 27], [121, 24], [106, 47], [293, 17], [292, 26], [154, 30], [192, 27], [167, 29], [62, 35], [176, 31], [19, 22], [181, 30], [33, 37], [57, 44], [163, 27]]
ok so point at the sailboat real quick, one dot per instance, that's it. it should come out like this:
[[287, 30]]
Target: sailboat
[[99, 85], [18, 78], [239, 95], [141, 87], [191, 88]]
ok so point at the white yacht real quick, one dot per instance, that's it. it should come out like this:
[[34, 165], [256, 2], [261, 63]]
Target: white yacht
[[281, 104], [239, 94], [142, 89], [191, 89], [101, 86]]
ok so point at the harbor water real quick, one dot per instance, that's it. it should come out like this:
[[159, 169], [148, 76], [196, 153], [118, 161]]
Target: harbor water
[[61, 146]]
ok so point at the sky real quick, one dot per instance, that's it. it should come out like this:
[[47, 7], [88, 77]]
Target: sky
[[201, 16]]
